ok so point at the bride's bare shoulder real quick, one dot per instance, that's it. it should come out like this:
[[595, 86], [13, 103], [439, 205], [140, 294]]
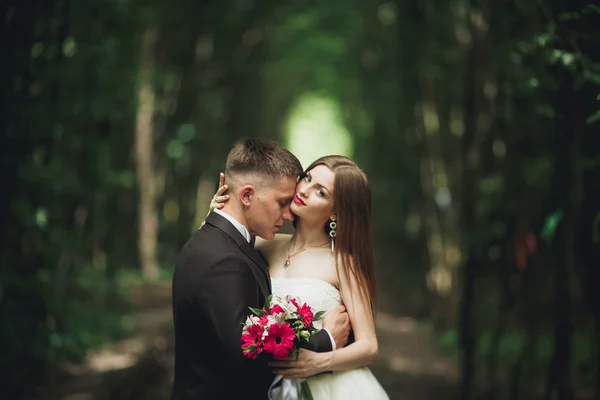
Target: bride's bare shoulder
[[268, 247], [282, 237]]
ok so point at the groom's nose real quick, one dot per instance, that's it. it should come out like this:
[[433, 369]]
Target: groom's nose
[[287, 214]]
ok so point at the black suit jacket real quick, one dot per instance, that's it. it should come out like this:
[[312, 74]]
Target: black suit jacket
[[217, 277]]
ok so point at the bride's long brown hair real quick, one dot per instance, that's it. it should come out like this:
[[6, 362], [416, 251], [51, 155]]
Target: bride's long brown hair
[[352, 207]]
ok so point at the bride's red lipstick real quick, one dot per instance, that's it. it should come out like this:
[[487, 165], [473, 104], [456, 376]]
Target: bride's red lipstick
[[299, 201]]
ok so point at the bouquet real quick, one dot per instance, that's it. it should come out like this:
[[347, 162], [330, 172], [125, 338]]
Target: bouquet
[[282, 327]]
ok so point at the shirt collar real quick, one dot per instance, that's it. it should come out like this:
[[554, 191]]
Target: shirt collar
[[241, 228]]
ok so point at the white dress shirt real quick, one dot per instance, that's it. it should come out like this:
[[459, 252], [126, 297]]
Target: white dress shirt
[[241, 228], [246, 234]]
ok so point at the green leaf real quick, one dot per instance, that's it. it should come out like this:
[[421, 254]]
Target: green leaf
[[268, 301], [550, 226], [591, 8], [595, 117], [592, 77], [319, 315], [305, 393], [258, 311], [568, 16], [41, 217], [249, 349], [69, 47]]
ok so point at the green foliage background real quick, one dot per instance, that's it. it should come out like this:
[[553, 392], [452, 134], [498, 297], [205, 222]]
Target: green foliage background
[[476, 121]]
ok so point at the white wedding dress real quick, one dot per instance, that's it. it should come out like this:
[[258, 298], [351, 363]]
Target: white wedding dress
[[356, 384]]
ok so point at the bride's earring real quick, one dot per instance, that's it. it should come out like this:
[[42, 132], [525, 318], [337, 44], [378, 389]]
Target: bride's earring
[[332, 233]]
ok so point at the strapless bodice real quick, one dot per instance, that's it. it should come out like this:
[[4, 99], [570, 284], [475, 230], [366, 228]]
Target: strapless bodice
[[318, 294]]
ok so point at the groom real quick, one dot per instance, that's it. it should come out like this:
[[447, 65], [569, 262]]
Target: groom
[[219, 275]]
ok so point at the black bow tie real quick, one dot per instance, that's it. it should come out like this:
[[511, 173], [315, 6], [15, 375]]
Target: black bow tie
[[252, 241]]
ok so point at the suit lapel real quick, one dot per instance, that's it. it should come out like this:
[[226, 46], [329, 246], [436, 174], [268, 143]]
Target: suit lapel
[[258, 260], [221, 223]]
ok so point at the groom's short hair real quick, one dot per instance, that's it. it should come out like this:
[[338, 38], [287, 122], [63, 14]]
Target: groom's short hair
[[262, 158]]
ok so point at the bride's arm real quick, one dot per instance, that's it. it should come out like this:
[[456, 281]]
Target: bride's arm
[[364, 349], [358, 354]]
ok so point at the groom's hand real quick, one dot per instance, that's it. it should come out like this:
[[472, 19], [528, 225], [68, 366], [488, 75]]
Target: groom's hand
[[337, 322]]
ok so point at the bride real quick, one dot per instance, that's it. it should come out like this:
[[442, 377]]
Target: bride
[[328, 261]]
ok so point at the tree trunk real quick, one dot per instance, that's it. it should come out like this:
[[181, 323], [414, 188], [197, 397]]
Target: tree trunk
[[502, 320], [23, 326], [469, 157], [589, 239], [148, 222], [560, 366]]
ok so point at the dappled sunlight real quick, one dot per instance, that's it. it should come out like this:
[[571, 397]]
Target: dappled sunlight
[[439, 280], [125, 353], [409, 363], [418, 366], [393, 324], [108, 360], [139, 366], [315, 128], [408, 347]]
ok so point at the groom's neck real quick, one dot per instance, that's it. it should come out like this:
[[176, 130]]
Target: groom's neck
[[235, 213]]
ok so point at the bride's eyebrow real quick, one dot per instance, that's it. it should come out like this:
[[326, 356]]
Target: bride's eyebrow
[[323, 187], [319, 184]]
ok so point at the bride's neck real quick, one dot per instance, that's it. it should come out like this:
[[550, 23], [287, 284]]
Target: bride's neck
[[309, 236]]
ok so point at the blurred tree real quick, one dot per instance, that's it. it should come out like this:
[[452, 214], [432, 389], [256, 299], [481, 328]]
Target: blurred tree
[[144, 151], [476, 122]]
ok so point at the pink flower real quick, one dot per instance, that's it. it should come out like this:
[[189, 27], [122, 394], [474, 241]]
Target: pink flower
[[264, 320], [276, 309], [279, 340], [306, 313], [252, 345]]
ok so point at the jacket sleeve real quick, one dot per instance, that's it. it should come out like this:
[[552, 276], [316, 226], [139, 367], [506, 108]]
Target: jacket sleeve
[[225, 292], [320, 342]]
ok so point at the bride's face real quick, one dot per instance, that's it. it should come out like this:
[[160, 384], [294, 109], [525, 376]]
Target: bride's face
[[314, 195]]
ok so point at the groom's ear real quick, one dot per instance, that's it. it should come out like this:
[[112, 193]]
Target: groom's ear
[[247, 195]]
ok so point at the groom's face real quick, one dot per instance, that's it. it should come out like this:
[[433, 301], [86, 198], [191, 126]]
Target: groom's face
[[271, 207]]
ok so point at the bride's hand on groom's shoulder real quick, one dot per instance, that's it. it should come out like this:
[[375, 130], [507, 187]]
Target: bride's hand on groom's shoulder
[[302, 365]]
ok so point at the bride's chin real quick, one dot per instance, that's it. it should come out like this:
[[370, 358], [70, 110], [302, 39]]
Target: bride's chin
[[294, 208]]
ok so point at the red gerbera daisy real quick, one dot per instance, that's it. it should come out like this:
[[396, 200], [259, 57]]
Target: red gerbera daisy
[[252, 345], [307, 314], [279, 340]]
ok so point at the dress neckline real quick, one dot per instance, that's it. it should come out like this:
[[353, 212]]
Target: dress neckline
[[298, 278]]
